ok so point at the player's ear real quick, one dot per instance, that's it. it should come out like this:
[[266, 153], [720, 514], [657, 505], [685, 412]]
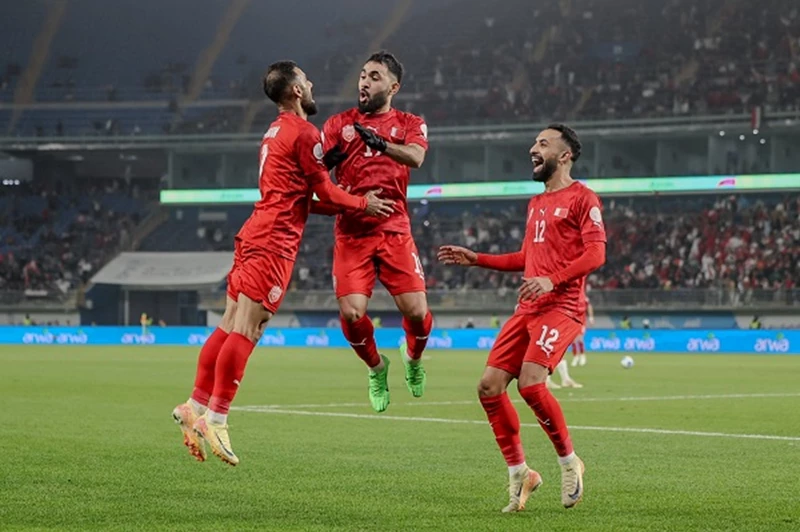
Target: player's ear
[[395, 88], [297, 90], [565, 157]]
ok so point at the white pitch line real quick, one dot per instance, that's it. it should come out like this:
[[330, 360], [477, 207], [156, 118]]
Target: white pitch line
[[563, 400], [572, 427]]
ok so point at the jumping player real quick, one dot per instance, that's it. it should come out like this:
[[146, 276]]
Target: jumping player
[[579, 345], [374, 146], [564, 242], [291, 167]]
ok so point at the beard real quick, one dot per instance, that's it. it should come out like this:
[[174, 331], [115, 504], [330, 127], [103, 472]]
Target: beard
[[309, 106], [373, 103], [549, 167]]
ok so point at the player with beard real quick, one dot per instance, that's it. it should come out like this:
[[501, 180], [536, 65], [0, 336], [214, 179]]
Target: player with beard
[[375, 146], [564, 242], [291, 167]]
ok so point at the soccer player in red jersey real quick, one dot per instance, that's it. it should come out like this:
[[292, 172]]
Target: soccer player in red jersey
[[291, 167], [375, 147], [579, 345], [564, 242]]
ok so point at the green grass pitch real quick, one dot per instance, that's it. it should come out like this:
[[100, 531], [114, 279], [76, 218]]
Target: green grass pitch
[[88, 444]]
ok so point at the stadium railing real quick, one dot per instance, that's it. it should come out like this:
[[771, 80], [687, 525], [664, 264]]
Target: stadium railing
[[503, 300]]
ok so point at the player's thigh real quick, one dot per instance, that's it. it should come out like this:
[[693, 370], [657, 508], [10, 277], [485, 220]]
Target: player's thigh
[[399, 265], [233, 278], [354, 265], [229, 317], [551, 333], [509, 348]]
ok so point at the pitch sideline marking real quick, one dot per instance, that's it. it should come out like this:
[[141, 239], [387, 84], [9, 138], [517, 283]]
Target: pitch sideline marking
[[572, 427], [563, 400]]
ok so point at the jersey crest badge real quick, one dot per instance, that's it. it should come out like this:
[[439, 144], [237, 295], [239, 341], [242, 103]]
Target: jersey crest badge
[[348, 133]]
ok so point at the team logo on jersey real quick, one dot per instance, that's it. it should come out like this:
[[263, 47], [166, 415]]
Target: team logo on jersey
[[275, 294], [348, 133], [424, 129], [561, 212], [393, 133], [596, 216], [318, 153]]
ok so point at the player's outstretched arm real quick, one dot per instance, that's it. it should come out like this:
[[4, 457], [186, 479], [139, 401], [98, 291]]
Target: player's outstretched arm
[[326, 208], [509, 262], [371, 203], [412, 155]]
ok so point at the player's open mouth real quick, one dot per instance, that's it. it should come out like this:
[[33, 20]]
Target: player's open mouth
[[363, 96], [538, 163]]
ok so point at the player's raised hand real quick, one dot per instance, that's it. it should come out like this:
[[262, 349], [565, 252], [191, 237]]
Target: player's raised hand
[[534, 287], [457, 255], [370, 138], [377, 206]]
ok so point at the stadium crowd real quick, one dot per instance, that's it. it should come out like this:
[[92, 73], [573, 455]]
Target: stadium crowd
[[514, 61], [53, 240], [737, 243]]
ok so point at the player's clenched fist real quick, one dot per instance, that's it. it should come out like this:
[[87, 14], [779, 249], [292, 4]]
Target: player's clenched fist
[[377, 206], [535, 287], [457, 255]]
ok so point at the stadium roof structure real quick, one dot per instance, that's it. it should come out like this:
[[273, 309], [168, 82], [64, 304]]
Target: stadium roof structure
[[165, 271]]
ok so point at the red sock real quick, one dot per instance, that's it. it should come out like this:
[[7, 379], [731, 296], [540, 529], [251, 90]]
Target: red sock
[[574, 349], [505, 423], [581, 348], [361, 335], [417, 333], [229, 371], [204, 379], [548, 413]]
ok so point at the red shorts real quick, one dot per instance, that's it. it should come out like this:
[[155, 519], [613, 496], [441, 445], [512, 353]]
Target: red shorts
[[392, 257], [260, 275], [539, 338]]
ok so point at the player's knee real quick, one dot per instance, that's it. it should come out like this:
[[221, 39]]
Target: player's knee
[[417, 312], [529, 379], [252, 330], [350, 313], [488, 387]]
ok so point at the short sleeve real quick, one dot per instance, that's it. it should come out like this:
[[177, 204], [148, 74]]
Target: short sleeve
[[309, 152], [417, 132], [591, 219], [330, 134]]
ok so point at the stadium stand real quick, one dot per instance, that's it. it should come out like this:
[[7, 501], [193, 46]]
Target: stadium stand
[[52, 240], [522, 62], [739, 243]]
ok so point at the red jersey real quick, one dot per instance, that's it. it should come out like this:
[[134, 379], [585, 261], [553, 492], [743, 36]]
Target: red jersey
[[366, 169], [559, 224], [290, 161]]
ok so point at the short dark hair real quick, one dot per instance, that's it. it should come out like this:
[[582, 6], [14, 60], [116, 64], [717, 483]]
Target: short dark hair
[[569, 136], [390, 61], [279, 79]]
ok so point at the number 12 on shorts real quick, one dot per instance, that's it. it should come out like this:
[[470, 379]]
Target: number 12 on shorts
[[547, 339]]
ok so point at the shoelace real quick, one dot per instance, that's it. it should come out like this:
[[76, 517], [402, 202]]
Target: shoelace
[[376, 383], [414, 373]]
